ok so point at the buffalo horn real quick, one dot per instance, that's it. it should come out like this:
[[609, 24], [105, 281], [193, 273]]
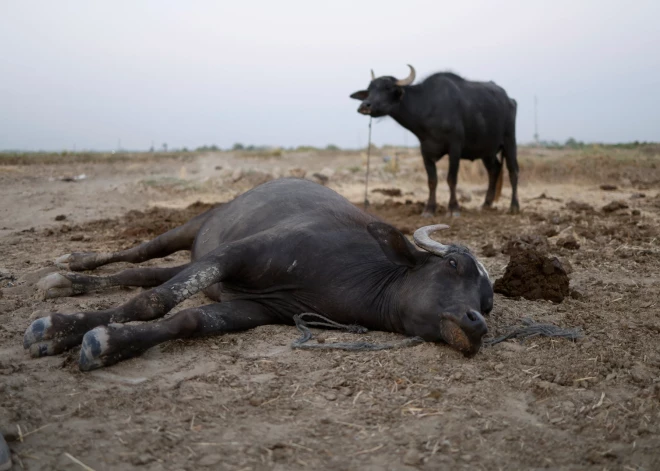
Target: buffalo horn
[[408, 80], [422, 238], [373, 76]]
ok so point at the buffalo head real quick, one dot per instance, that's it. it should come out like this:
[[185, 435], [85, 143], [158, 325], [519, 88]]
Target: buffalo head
[[444, 292], [383, 94]]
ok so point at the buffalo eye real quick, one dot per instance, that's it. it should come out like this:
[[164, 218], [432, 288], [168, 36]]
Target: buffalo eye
[[453, 263]]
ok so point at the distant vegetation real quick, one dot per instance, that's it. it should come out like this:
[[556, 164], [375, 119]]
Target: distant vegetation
[[212, 148], [572, 143], [44, 158], [32, 157]]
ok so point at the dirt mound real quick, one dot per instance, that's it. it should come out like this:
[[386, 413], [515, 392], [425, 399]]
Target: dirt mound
[[579, 206], [608, 187], [388, 191], [533, 276], [488, 250], [525, 242], [615, 206], [150, 223], [569, 242]]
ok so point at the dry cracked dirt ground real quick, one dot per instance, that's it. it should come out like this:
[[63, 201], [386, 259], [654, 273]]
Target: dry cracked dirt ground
[[248, 401]]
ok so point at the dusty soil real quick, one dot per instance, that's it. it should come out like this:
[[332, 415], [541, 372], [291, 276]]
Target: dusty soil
[[248, 401]]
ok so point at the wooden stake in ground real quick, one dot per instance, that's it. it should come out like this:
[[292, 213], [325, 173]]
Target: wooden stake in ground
[[366, 180]]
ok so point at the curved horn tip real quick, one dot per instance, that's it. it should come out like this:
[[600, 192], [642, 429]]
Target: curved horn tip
[[433, 228], [423, 240], [373, 76], [408, 80]]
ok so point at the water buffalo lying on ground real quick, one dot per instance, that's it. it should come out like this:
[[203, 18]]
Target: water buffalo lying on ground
[[286, 247], [451, 115]]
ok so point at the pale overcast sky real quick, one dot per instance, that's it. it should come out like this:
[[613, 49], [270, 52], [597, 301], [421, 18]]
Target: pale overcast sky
[[280, 72]]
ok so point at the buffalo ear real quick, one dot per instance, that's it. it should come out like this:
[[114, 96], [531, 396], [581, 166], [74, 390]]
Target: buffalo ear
[[361, 95], [394, 244]]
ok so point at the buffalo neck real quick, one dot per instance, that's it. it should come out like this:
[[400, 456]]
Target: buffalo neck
[[382, 286], [404, 112]]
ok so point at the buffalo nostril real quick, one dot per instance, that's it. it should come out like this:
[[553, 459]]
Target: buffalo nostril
[[472, 315]]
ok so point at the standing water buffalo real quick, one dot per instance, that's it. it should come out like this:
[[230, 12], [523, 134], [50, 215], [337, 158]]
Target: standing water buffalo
[[284, 248], [451, 115]]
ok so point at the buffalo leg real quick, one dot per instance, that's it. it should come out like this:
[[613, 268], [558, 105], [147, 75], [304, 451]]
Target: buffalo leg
[[452, 180], [432, 175], [180, 238], [509, 152], [494, 167], [106, 345], [57, 285], [58, 332]]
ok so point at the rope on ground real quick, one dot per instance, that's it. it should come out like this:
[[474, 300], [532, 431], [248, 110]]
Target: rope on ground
[[530, 329], [303, 326], [534, 329]]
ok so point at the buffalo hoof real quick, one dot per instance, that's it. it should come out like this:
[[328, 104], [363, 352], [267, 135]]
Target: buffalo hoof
[[77, 261], [454, 213], [58, 285], [488, 208], [37, 331], [95, 346], [63, 262], [427, 214], [514, 210], [101, 347], [44, 336]]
